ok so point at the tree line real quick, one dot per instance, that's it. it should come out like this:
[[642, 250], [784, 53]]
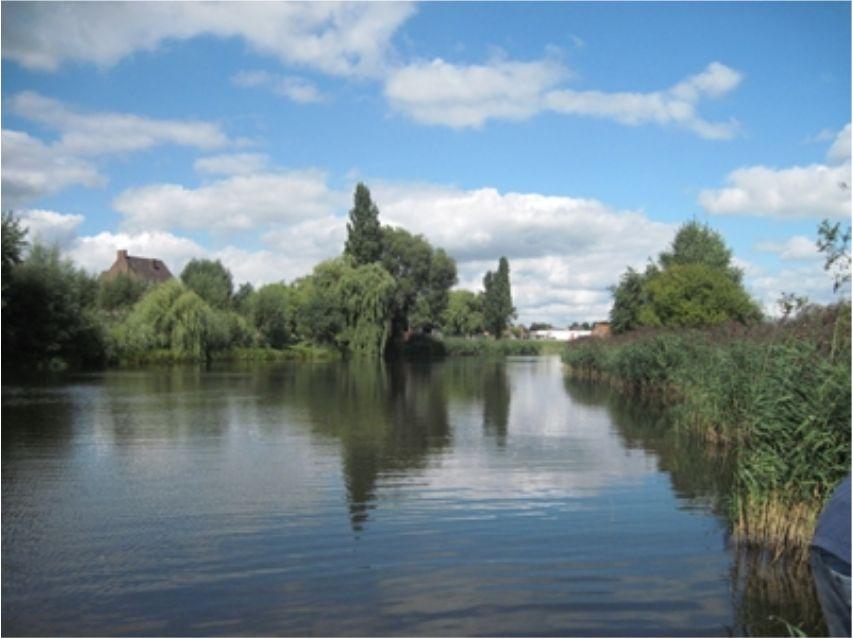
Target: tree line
[[386, 285]]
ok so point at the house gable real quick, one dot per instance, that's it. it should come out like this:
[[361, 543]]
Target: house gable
[[150, 270]]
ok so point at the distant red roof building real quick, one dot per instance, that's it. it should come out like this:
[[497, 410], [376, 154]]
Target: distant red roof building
[[150, 270]]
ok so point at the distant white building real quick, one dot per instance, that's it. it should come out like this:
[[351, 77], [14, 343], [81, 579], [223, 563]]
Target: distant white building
[[560, 335]]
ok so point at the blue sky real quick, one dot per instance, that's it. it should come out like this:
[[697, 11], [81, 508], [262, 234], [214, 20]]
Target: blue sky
[[573, 138]]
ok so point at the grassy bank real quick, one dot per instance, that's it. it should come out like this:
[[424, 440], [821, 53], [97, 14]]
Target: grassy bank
[[776, 396], [296, 352]]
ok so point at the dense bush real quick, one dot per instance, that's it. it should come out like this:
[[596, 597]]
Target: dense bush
[[49, 315]]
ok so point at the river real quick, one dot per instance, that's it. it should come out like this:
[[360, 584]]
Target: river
[[456, 498]]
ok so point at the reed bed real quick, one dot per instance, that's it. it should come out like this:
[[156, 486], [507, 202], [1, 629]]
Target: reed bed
[[776, 396]]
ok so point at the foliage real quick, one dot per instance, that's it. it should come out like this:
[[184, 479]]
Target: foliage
[[422, 277], [697, 243], [241, 300], [778, 395], [388, 282], [14, 242], [364, 236], [365, 295], [120, 292], [540, 326], [696, 295], [497, 299], [346, 305], [790, 304], [692, 284], [49, 313], [273, 315], [629, 298], [172, 318], [210, 280], [464, 314], [318, 315], [834, 243]]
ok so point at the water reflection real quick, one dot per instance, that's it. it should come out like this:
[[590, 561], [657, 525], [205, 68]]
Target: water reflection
[[496, 394], [770, 598], [452, 498]]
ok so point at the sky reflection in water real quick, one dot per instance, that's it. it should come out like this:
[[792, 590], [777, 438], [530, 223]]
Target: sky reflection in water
[[454, 498]]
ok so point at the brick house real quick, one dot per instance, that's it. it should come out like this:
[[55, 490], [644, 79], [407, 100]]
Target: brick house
[[149, 270], [601, 329]]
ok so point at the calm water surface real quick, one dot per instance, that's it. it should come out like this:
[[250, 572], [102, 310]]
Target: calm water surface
[[454, 498]]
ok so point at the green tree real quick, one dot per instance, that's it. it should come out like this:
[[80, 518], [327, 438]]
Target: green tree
[[629, 298], [366, 294], [346, 305], [210, 280], [464, 314], [422, 278], [540, 326], [14, 242], [170, 317], [272, 314], [317, 311], [664, 295], [432, 299], [364, 235], [241, 300], [697, 243], [695, 295], [120, 292], [497, 299], [49, 315]]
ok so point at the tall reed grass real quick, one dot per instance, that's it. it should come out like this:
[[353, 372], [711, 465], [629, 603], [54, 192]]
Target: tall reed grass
[[776, 395]]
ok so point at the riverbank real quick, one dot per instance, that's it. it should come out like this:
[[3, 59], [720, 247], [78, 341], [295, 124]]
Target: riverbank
[[426, 347], [777, 397], [296, 352]]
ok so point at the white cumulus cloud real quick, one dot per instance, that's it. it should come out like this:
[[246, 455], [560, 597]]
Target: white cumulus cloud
[[439, 92], [32, 169], [50, 227], [675, 106], [337, 38], [238, 202], [104, 133], [798, 247], [812, 191]]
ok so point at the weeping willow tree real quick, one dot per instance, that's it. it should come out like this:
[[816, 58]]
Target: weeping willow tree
[[346, 305], [174, 319], [366, 294]]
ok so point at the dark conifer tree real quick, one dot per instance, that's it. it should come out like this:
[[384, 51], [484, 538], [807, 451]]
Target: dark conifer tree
[[497, 299], [364, 235]]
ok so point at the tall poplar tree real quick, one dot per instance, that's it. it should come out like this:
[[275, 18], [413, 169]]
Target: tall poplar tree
[[364, 235], [497, 299]]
